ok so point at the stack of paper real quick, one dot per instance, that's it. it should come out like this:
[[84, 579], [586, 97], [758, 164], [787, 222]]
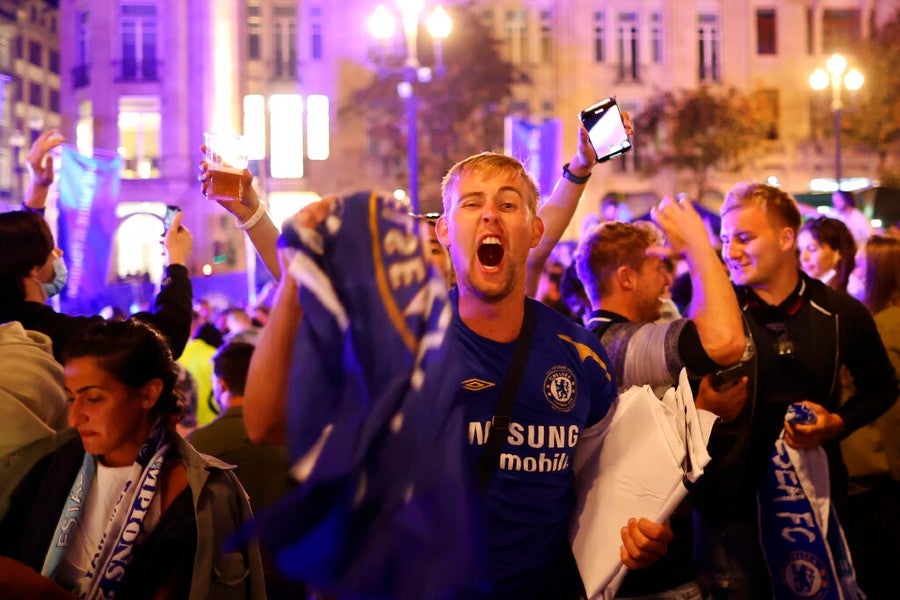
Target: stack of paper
[[633, 464]]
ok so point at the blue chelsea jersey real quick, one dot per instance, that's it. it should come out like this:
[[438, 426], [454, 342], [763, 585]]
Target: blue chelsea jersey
[[567, 385]]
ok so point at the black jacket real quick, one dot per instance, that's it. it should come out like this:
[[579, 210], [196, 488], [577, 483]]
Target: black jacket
[[817, 330], [171, 315]]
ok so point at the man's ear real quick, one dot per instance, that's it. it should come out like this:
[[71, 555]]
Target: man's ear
[[537, 231], [150, 392], [623, 277], [440, 228], [788, 238]]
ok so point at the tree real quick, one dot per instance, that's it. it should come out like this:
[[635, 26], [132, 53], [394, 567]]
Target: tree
[[700, 130], [460, 112], [876, 123]]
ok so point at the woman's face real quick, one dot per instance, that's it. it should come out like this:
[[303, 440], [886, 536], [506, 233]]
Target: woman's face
[[112, 419], [816, 259]]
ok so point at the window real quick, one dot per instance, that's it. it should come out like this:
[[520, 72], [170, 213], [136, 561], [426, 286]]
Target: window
[[286, 135], [82, 50], [139, 125], [840, 30], [137, 26], [708, 47], [315, 33], [810, 20], [54, 101], [54, 61], [599, 37], [628, 47], [766, 104], [35, 94], [516, 39], [546, 37], [765, 31], [255, 126], [35, 53], [656, 39], [254, 30], [18, 46], [285, 40], [317, 127]]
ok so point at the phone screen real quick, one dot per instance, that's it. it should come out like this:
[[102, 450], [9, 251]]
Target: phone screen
[[171, 211], [606, 130]]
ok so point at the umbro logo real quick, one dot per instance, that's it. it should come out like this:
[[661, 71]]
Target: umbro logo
[[476, 385]]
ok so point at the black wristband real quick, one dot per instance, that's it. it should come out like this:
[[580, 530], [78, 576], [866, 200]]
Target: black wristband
[[574, 178]]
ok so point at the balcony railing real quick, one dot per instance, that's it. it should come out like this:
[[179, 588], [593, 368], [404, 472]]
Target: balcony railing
[[147, 69]]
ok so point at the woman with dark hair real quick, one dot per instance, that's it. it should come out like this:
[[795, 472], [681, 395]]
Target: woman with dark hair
[[827, 251], [32, 270], [127, 508]]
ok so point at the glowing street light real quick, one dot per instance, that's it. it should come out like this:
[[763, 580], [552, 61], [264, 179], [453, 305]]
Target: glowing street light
[[382, 26], [836, 74]]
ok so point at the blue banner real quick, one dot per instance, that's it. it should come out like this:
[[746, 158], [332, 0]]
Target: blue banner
[[538, 147], [88, 193]]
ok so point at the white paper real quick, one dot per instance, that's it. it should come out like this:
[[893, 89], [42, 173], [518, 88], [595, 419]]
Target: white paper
[[631, 464]]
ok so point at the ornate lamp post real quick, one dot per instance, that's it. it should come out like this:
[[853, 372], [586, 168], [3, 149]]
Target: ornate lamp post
[[382, 26], [836, 73]]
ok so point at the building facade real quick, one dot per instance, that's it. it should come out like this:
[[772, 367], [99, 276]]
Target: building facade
[[146, 78], [30, 92]]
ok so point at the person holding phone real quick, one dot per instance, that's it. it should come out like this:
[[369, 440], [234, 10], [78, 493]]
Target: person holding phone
[[559, 208], [37, 270]]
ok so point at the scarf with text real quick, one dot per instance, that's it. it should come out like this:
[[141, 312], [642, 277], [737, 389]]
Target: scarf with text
[[116, 545], [800, 534]]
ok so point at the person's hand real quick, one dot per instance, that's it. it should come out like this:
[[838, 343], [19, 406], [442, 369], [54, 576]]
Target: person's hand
[[682, 224], [242, 209], [828, 426], [40, 165], [644, 542], [178, 241], [585, 157], [726, 402], [313, 214]]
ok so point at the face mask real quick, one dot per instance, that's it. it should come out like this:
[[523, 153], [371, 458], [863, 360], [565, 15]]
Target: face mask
[[60, 273]]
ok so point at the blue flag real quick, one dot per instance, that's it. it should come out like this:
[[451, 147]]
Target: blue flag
[[88, 193], [387, 507]]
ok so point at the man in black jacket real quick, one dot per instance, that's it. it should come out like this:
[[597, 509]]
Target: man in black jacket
[[803, 332]]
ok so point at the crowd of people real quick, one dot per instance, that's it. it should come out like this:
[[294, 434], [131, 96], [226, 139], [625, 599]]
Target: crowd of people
[[135, 451]]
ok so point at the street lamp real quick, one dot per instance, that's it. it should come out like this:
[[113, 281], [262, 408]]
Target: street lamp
[[17, 141], [835, 73], [382, 27]]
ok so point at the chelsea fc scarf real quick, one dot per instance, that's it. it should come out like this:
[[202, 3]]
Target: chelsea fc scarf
[[800, 534], [386, 507], [116, 545]]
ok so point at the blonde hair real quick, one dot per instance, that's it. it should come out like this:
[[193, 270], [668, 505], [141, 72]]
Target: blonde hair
[[780, 207], [489, 164]]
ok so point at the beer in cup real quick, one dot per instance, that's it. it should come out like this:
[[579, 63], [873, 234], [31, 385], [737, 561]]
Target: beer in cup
[[226, 156]]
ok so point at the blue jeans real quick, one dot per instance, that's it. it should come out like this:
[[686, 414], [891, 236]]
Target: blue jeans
[[730, 562]]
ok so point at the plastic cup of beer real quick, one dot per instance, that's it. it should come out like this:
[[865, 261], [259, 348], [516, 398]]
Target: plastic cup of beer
[[226, 156]]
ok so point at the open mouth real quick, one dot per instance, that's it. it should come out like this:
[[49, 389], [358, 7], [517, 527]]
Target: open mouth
[[490, 252]]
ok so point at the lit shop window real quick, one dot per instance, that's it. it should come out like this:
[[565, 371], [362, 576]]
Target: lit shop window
[[286, 133], [139, 124]]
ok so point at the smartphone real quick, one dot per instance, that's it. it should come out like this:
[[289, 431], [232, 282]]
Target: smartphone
[[606, 129], [171, 211], [725, 378]]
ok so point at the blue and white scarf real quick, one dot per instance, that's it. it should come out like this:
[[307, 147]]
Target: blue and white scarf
[[125, 524], [387, 504], [800, 534]]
